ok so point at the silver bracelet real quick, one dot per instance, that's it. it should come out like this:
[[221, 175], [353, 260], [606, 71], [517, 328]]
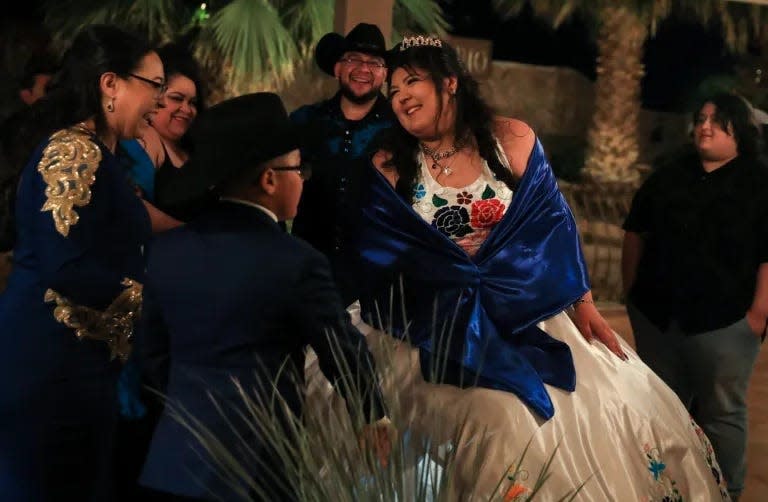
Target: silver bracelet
[[580, 301]]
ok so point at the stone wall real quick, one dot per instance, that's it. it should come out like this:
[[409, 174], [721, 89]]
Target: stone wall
[[558, 101], [553, 100]]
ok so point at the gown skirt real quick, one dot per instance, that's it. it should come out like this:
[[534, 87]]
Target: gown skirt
[[623, 433]]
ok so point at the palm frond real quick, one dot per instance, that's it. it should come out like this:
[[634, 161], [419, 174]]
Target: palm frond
[[554, 11], [421, 16], [66, 18], [741, 23], [158, 19], [748, 24], [251, 37], [309, 20], [509, 8]]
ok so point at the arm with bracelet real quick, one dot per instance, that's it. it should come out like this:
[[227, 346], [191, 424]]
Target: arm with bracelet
[[593, 325]]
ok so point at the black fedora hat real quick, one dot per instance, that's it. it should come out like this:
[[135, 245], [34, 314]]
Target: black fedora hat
[[233, 135], [365, 38]]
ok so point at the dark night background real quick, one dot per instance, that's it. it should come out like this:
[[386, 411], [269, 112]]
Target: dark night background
[[677, 59]]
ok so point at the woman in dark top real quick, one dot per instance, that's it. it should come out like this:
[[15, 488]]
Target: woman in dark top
[[166, 142]]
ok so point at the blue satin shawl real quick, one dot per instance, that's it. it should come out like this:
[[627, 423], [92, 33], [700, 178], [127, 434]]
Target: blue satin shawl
[[529, 268]]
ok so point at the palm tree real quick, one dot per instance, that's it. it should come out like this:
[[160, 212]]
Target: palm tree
[[244, 45], [622, 29]]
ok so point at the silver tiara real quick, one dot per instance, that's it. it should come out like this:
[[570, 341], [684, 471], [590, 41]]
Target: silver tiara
[[420, 40]]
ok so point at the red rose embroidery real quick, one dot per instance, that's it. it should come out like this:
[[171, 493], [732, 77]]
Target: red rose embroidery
[[486, 213]]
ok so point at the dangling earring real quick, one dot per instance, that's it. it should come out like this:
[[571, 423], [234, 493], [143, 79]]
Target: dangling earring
[[111, 105]]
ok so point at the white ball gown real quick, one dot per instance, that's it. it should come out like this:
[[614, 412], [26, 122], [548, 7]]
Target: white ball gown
[[622, 434]]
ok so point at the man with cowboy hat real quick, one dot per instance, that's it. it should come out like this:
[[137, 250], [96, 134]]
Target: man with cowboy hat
[[231, 296], [345, 125]]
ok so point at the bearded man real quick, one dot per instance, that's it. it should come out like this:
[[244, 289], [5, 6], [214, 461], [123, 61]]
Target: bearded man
[[345, 126]]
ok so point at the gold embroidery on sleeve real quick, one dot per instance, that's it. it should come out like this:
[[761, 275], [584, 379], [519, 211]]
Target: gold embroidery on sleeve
[[113, 326], [68, 168]]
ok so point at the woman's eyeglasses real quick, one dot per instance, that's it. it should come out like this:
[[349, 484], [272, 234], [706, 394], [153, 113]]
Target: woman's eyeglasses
[[304, 170], [160, 87]]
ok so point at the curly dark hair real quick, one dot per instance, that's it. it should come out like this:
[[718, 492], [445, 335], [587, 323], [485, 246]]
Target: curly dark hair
[[474, 117], [733, 111], [178, 60]]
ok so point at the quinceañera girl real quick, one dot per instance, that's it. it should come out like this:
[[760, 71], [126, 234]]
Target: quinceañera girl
[[465, 218]]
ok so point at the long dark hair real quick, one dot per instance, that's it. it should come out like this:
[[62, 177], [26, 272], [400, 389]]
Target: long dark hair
[[731, 110], [73, 96], [474, 117]]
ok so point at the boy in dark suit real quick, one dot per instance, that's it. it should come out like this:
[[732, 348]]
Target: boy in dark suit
[[232, 296]]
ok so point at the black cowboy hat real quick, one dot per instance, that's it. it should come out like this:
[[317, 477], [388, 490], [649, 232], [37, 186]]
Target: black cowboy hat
[[365, 38], [233, 135]]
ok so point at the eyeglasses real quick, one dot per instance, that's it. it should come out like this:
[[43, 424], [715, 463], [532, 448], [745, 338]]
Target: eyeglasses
[[304, 170], [359, 63], [160, 87]]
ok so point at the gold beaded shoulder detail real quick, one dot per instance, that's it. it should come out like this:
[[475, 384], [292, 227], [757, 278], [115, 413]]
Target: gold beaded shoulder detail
[[68, 168]]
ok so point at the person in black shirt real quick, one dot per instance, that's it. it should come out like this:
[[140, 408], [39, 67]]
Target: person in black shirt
[[695, 270], [346, 126]]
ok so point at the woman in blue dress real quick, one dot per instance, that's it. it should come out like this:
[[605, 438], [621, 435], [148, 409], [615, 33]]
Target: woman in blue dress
[[75, 289]]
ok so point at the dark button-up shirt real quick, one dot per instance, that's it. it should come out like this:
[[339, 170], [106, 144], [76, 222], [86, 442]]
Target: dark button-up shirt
[[706, 234], [330, 204]]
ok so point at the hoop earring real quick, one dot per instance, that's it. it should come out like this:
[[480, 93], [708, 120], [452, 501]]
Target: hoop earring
[[111, 105]]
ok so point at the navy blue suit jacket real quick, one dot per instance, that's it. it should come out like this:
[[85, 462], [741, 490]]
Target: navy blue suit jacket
[[231, 295]]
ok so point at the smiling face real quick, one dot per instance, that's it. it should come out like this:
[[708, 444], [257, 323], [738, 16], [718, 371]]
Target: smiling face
[[360, 76], [713, 140], [179, 108], [418, 106], [133, 99]]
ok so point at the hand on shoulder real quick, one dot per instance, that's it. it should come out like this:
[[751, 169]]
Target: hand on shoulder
[[380, 162], [517, 139]]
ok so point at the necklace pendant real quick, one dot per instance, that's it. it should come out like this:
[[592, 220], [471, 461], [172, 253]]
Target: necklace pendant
[[447, 171]]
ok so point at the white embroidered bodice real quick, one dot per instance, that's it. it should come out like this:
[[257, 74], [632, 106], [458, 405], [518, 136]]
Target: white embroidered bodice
[[466, 215]]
